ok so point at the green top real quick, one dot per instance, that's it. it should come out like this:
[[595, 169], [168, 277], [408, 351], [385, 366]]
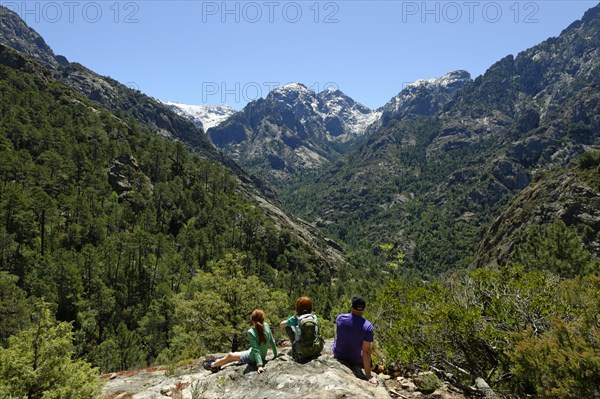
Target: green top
[[292, 321], [258, 351]]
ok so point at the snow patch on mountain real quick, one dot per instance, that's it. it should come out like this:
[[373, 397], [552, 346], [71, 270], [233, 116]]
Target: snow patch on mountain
[[426, 96], [446, 84], [356, 118], [205, 116]]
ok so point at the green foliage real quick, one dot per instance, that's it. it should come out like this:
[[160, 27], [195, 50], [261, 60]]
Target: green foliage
[[589, 160], [14, 307], [402, 322], [563, 363], [393, 260], [495, 323], [557, 248], [38, 363], [428, 382], [589, 168], [213, 313], [116, 250]]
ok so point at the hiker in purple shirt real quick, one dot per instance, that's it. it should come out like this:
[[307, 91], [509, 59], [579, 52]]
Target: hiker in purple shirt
[[353, 338]]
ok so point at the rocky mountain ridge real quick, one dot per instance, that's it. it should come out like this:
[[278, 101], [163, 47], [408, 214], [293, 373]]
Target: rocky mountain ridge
[[292, 130], [424, 97]]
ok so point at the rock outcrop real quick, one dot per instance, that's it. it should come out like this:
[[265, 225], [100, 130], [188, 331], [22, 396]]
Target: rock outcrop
[[119, 173], [322, 378]]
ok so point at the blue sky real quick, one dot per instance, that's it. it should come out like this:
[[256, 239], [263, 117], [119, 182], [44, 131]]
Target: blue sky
[[213, 52]]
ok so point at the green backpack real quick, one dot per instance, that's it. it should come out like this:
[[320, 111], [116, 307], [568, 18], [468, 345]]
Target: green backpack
[[308, 343]]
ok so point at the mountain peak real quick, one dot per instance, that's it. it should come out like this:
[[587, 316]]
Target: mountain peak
[[292, 130], [425, 96], [330, 91], [292, 87], [451, 80], [334, 93], [293, 93]]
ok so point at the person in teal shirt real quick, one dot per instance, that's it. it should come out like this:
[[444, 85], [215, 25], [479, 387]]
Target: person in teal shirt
[[303, 331], [304, 305], [260, 339]]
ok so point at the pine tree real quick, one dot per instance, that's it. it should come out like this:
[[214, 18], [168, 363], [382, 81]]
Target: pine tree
[[557, 248], [39, 364], [14, 307]]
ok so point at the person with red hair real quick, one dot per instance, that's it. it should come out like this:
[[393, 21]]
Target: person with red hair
[[260, 339], [303, 331]]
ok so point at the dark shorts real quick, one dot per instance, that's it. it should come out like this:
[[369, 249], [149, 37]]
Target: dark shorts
[[349, 362]]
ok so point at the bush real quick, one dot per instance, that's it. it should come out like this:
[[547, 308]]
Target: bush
[[498, 323], [589, 160], [428, 382], [563, 363]]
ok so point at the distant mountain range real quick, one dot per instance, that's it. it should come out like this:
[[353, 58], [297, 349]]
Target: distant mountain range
[[295, 130], [450, 154], [292, 130]]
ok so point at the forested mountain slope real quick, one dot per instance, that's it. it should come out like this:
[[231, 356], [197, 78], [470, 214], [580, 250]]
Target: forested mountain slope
[[118, 230], [430, 185]]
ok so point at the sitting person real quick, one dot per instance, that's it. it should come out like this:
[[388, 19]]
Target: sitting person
[[303, 331], [353, 338], [260, 339]]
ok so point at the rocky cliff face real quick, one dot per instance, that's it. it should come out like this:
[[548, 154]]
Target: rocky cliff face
[[16, 34], [424, 97], [292, 130], [562, 196]]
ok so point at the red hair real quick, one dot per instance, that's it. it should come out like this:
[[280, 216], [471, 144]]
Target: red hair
[[304, 305], [258, 319]]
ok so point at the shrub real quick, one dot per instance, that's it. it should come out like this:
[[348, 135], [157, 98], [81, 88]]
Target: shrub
[[563, 363], [498, 323]]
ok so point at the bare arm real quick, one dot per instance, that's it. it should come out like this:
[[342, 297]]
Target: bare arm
[[366, 357], [283, 324]]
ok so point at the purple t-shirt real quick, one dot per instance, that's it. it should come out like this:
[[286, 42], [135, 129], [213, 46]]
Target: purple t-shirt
[[352, 330]]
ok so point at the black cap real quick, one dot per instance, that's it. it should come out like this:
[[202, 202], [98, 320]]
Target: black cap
[[358, 302]]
